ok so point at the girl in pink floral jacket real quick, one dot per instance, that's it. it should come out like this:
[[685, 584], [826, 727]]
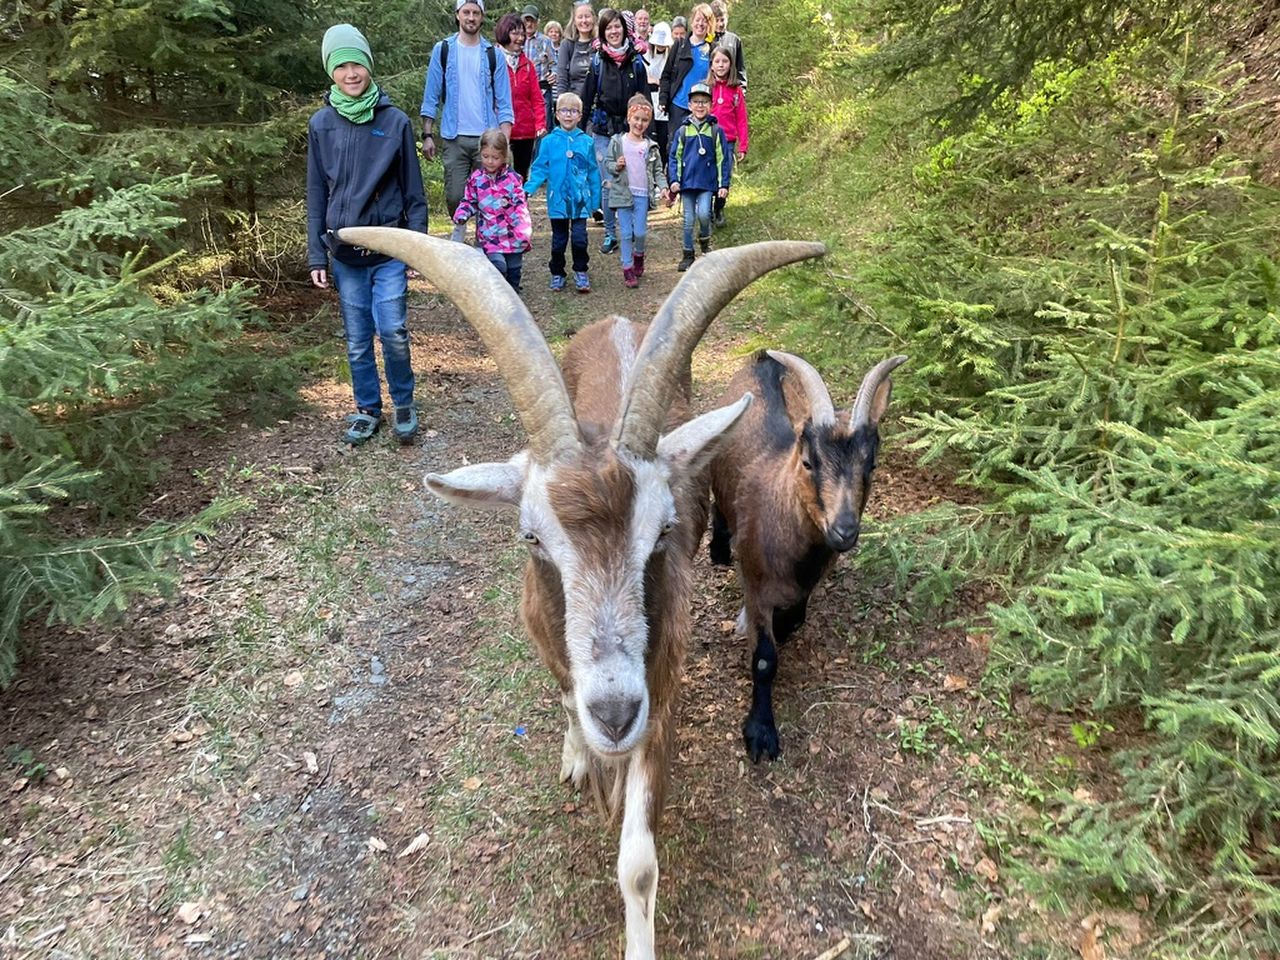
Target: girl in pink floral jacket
[[495, 197]]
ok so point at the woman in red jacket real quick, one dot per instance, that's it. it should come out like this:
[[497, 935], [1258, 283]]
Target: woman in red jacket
[[526, 94]]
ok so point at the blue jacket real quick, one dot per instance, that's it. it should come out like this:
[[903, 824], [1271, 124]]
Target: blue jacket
[[360, 175], [497, 105], [700, 157], [566, 162]]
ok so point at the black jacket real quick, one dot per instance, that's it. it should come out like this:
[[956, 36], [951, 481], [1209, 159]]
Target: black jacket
[[360, 175], [608, 93]]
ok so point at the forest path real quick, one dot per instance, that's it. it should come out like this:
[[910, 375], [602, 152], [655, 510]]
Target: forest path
[[242, 770]]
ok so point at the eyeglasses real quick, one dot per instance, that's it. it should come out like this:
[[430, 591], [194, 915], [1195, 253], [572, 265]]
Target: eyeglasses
[[569, 111]]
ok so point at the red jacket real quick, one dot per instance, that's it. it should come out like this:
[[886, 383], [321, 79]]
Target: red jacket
[[729, 107], [526, 100]]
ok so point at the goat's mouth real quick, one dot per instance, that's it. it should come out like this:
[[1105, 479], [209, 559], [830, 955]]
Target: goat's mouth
[[842, 541], [615, 723]]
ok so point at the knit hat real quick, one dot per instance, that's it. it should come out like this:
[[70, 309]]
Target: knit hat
[[459, 4], [343, 43]]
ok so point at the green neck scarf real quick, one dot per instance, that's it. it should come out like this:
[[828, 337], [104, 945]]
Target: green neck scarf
[[356, 109]]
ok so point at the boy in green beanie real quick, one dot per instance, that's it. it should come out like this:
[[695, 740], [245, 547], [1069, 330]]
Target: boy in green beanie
[[362, 170]]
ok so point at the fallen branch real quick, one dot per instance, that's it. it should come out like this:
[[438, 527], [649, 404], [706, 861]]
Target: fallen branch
[[835, 951]]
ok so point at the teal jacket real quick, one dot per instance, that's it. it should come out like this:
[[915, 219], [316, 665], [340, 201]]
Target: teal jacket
[[566, 163]]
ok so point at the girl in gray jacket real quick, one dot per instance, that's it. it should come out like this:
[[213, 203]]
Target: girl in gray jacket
[[637, 180]]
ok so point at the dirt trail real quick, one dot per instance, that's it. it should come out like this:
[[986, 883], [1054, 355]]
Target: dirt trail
[[242, 770]]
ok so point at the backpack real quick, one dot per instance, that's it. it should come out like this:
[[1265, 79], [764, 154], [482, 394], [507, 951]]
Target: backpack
[[444, 68]]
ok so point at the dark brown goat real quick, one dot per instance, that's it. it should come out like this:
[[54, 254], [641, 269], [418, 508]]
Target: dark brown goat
[[790, 487], [612, 510]]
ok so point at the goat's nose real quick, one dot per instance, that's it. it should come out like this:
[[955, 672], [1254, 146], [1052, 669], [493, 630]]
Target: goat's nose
[[615, 716], [843, 535]]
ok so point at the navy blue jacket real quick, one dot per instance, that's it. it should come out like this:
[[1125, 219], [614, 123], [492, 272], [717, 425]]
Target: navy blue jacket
[[700, 158], [360, 175]]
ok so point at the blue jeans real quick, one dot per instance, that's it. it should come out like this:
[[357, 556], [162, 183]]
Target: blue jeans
[[560, 230], [610, 215], [374, 301], [697, 205], [633, 221], [509, 265], [719, 204]]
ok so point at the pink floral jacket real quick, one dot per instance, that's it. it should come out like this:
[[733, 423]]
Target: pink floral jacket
[[502, 215]]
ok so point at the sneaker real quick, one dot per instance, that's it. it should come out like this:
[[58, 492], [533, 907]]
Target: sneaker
[[597, 215], [557, 283], [361, 426], [686, 261], [583, 281], [406, 424], [705, 244], [610, 244], [639, 267], [629, 277]]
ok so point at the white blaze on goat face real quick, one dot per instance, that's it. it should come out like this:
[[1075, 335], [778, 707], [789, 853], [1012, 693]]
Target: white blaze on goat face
[[602, 561]]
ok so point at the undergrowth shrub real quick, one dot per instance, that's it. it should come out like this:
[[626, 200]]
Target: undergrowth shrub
[[1085, 279]]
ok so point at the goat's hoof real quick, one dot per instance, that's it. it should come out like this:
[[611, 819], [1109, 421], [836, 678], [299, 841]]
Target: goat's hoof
[[720, 556], [573, 769], [761, 739]]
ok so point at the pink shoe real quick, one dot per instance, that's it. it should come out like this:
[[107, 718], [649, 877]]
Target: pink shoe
[[639, 265], [629, 277]]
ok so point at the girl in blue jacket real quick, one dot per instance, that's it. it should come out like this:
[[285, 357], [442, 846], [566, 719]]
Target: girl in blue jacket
[[362, 171], [566, 163]]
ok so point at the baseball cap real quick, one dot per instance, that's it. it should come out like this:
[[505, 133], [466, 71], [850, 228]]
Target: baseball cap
[[530, 12], [699, 90]]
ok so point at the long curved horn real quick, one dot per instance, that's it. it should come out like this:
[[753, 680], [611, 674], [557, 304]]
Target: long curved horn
[[504, 323], [679, 324], [869, 394], [822, 411]]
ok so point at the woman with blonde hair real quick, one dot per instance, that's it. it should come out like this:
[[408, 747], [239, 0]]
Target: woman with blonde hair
[[688, 63]]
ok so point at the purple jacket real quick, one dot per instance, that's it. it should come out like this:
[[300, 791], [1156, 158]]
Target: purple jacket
[[502, 215]]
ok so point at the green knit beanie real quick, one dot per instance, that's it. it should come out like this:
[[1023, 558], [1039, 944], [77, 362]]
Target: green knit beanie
[[343, 43]]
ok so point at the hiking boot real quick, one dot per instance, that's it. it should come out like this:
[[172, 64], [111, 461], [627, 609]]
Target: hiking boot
[[610, 244], [639, 267], [582, 281], [705, 244], [406, 424], [557, 283], [686, 261], [629, 277]]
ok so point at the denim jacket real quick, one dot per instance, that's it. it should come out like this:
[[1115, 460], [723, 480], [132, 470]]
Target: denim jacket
[[497, 106]]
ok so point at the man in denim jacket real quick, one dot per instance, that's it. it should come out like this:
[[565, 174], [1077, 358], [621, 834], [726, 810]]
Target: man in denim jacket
[[468, 93]]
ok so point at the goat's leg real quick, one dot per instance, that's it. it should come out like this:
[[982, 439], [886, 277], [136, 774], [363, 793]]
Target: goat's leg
[[638, 855], [759, 734], [573, 755], [718, 548], [789, 619]]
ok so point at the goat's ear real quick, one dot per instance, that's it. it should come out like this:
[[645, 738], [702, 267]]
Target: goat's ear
[[693, 445], [485, 485], [880, 401]]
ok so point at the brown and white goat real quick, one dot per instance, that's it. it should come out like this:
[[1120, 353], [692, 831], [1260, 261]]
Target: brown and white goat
[[612, 500], [790, 486]]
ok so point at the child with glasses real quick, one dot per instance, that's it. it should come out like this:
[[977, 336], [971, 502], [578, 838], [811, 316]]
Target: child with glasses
[[566, 163]]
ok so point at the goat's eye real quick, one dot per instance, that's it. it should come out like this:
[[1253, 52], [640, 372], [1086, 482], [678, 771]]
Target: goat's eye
[[530, 538], [667, 528], [807, 465]]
